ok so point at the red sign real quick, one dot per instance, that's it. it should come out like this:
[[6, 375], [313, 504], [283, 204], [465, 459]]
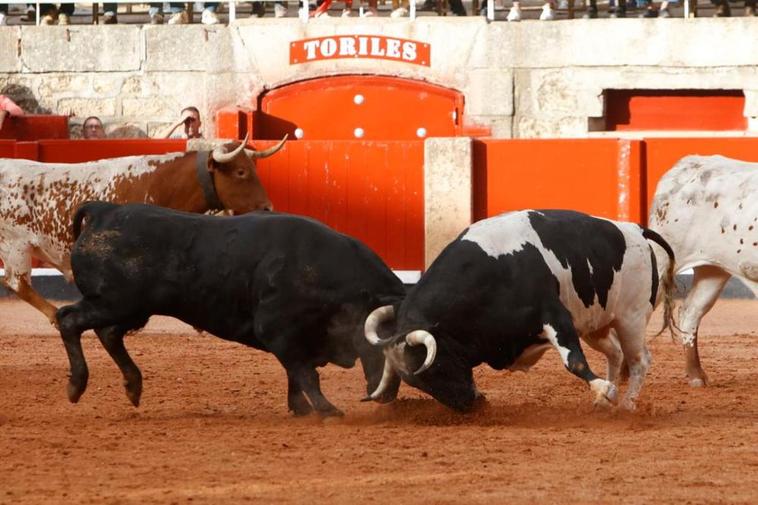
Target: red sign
[[360, 46]]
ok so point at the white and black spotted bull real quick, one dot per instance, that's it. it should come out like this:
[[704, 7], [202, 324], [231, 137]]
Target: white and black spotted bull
[[511, 287], [37, 200], [706, 207]]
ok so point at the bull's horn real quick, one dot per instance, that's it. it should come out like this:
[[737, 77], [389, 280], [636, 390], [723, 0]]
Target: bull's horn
[[382, 387], [377, 317], [221, 156], [268, 152], [427, 340]]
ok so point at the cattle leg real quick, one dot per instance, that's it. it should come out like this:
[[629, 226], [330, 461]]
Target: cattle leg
[[18, 279], [560, 332], [707, 283], [308, 379], [603, 341], [112, 338], [631, 336], [296, 401], [71, 328]]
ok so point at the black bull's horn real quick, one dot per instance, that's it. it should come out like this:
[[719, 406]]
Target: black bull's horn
[[417, 337]]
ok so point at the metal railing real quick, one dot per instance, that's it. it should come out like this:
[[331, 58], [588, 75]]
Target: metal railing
[[303, 12]]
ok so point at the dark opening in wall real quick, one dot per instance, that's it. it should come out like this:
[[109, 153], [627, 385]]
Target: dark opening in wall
[[636, 109]]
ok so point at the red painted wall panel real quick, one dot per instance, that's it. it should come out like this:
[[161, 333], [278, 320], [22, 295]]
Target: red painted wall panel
[[599, 176], [370, 190], [35, 127], [391, 109], [78, 151], [713, 110]]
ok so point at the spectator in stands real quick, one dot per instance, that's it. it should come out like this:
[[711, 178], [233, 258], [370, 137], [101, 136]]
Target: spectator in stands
[[190, 119], [31, 13], [179, 15], [109, 14], [8, 108], [209, 16], [3, 14], [547, 14], [259, 9], [50, 13], [178, 12], [455, 5], [93, 128], [724, 11]]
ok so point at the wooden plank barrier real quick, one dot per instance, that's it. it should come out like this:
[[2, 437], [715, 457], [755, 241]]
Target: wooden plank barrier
[[371, 190], [35, 127], [374, 190], [602, 177]]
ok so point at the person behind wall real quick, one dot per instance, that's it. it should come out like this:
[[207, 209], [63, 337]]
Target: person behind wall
[[8, 108], [50, 14], [179, 14], [92, 128], [190, 120]]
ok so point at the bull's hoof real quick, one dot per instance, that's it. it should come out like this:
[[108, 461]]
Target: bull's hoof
[[628, 404], [75, 391], [698, 382], [133, 391], [331, 412], [301, 409], [602, 402], [606, 393]]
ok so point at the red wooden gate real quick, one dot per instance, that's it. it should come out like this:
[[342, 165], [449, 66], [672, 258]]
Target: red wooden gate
[[371, 190]]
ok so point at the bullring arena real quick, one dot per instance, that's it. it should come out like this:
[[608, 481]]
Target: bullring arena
[[400, 133]]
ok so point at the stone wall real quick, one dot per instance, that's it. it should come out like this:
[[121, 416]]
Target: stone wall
[[528, 79]]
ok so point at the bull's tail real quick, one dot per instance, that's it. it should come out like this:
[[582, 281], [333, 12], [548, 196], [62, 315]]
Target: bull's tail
[[668, 285], [88, 211]]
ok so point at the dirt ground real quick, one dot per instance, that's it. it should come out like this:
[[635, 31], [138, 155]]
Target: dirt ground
[[213, 428]]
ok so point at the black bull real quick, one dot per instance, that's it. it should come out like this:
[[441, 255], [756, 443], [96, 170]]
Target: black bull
[[284, 284]]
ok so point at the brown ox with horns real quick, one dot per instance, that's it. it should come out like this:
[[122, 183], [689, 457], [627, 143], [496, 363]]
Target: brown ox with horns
[[37, 200]]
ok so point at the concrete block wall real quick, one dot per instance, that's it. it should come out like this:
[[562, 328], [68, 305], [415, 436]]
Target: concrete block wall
[[528, 79]]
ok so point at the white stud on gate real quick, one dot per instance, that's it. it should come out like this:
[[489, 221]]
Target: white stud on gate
[[421, 132], [358, 132], [358, 99], [298, 133]]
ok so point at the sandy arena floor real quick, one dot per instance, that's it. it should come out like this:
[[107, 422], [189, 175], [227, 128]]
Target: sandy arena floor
[[213, 428]]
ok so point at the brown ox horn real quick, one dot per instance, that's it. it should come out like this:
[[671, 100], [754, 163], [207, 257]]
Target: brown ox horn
[[427, 340], [377, 317], [387, 374], [221, 156], [268, 152]]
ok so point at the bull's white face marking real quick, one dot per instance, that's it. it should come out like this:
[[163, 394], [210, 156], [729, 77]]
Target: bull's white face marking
[[550, 334]]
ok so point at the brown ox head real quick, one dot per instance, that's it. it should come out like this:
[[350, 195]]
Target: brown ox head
[[234, 178]]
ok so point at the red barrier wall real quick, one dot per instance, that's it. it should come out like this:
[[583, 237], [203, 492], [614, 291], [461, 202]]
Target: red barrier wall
[[371, 190], [34, 127], [602, 177]]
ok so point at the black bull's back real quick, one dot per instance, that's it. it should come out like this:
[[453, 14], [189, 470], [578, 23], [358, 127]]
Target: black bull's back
[[282, 283]]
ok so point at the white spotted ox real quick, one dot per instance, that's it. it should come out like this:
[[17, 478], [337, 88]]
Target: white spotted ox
[[706, 208], [38, 200]]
